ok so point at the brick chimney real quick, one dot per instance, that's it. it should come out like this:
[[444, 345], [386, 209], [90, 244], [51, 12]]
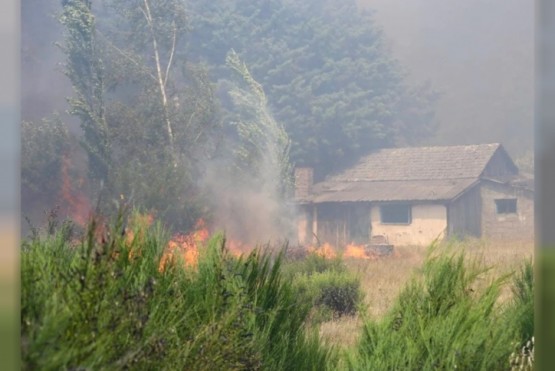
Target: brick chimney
[[303, 182]]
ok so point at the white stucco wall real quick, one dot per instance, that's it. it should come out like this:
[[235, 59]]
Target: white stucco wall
[[429, 221]]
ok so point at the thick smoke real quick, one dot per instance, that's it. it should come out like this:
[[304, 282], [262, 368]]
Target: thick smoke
[[250, 189], [44, 87], [248, 214]]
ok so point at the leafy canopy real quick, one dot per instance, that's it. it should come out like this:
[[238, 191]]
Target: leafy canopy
[[326, 71]]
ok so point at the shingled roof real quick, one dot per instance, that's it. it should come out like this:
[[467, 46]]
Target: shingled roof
[[421, 163], [411, 173]]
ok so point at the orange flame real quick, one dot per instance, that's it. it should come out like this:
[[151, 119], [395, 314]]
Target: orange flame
[[187, 245], [139, 222], [352, 251], [356, 252], [326, 251], [75, 203], [237, 248]]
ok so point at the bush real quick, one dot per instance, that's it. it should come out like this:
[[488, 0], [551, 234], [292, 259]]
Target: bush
[[442, 321], [522, 308], [330, 292], [521, 313], [326, 285], [98, 303], [43, 145]]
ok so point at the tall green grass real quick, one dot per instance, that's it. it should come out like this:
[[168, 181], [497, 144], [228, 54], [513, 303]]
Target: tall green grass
[[93, 305], [449, 319]]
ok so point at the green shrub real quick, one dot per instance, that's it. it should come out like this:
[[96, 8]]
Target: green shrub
[[521, 312], [326, 284], [103, 303], [442, 321], [523, 301], [43, 146], [330, 292]]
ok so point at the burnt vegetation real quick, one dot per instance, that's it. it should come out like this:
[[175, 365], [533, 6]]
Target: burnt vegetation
[[97, 303], [94, 301]]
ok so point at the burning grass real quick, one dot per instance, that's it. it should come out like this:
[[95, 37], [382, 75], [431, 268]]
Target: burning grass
[[77, 205], [139, 299], [98, 306]]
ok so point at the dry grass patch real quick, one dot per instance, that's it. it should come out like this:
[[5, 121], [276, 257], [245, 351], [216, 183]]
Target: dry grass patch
[[503, 257], [343, 332], [383, 279]]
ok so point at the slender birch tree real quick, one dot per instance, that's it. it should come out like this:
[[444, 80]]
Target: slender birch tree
[[147, 114]]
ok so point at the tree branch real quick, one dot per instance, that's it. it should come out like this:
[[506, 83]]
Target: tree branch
[[126, 56], [171, 54], [148, 17]]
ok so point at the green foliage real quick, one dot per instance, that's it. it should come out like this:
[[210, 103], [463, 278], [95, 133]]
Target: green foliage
[[166, 191], [326, 70], [99, 304], [521, 312], [84, 68], [313, 263], [263, 149], [443, 321], [332, 293], [104, 303], [43, 145], [522, 308], [148, 116], [326, 284]]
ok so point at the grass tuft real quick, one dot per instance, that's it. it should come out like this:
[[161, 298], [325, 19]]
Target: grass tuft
[[101, 302]]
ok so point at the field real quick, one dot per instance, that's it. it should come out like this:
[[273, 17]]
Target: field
[[104, 299], [381, 280]]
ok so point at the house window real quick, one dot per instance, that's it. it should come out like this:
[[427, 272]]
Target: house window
[[395, 214], [506, 206]]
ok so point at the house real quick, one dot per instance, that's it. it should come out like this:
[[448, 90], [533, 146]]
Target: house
[[412, 196]]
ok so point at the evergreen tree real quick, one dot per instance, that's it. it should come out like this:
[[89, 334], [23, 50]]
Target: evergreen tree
[[326, 70]]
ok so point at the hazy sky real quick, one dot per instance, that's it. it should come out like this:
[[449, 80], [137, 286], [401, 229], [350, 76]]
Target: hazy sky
[[478, 53]]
